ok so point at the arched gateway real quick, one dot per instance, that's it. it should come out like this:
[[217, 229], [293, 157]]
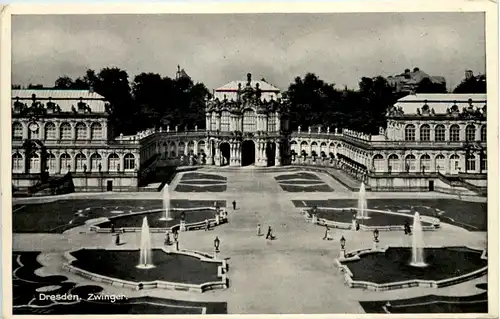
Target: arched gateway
[[248, 121], [247, 153]]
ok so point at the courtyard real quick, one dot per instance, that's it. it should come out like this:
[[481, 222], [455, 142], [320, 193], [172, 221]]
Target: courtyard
[[295, 273]]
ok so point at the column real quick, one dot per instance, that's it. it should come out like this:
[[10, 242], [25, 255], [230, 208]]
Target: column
[[25, 130], [58, 163], [104, 161], [217, 156], [41, 130], [207, 121], [89, 130], [257, 152], [73, 131], [217, 121], [186, 148], [121, 162], [58, 130], [278, 122], [277, 160]]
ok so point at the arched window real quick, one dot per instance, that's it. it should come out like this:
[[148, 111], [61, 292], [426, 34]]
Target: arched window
[[213, 121], [314, 147], [129, 161], [378, 163], [17, 131], [201, 147], [455, 133], [303, 146], [410, 163], [80, 162], [484, 163], [173, 149], [191, 147], [440, 163], [34, 131], [410, 132], [224, 121], [113, 162], [65, 131], [439, 133], [17, 163], [34, 163], [95, 161], [322, 147], [394, 163], [470, 133], [425, 163], [425, 133], [294, 146], [454, 164], [50, 131], [471, 163], [51, 163], [65, 162], [331, 148], [96, 131], [249, 121], [271, 122], [483, 133], [81, 131], [181, 150]]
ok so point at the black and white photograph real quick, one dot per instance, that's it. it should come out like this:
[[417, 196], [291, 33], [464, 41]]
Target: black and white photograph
[[274, 162]]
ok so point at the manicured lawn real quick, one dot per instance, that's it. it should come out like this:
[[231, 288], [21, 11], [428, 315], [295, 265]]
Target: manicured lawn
[[203, 182], [186, 188], [469, 215], [168, 267], [301, 175], [376, 219], [301, 182], [189, 176], [431, 304], [25, 284], [393, 265], [310, 189], [154, 219], [58, 216]]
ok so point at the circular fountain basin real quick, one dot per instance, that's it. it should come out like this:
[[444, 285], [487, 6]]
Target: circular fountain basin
[[381, 220], [156, 219], [169, 270], [392, 267]]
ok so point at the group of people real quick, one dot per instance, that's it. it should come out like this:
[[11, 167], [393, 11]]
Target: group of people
[[407, 228]]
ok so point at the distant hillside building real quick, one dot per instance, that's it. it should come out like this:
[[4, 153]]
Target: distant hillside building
[[408, 81]]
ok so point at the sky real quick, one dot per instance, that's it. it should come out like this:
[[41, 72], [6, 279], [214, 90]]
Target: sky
[[216, 49]]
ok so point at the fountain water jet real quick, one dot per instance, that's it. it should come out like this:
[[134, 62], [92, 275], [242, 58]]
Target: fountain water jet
[[146, 260], [166, 203], [417, 243], [362, 203]]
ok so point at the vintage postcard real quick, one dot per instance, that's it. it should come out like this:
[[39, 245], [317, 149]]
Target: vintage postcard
[[320, 159]]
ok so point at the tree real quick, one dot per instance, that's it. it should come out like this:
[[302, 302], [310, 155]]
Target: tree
[[427, 86], [64, 82], [475, 84]]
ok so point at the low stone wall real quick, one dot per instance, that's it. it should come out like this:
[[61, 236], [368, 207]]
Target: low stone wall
[[356, 255], [191, 226], [223, 283], [435, 222]]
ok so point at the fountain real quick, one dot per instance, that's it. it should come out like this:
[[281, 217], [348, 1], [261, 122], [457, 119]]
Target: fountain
[[146, 260], [362, 203], [417, 243], [166, 204]]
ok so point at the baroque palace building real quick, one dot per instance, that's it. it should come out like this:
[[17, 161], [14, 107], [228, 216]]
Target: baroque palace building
[[434, 142]]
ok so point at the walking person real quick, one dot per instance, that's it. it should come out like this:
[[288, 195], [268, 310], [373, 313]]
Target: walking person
[[269, 233], [234, 205], [117, 240], [327, 234], [258, 230], [207, 225]]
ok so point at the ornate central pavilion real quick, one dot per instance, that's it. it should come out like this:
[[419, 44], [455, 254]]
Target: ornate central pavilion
[[246, 124]]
